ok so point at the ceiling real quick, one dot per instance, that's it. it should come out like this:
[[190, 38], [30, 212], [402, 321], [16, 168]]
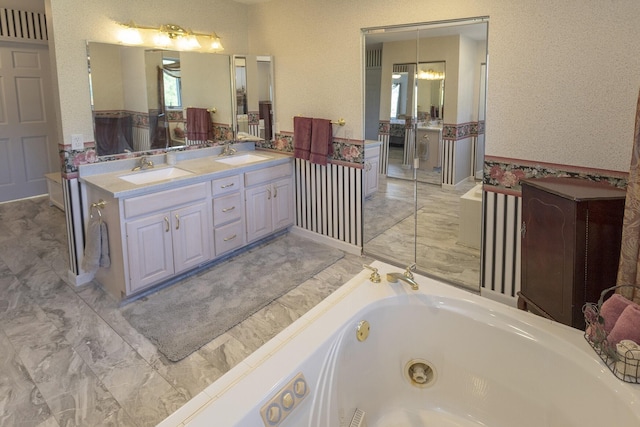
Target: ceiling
[[251, 1]]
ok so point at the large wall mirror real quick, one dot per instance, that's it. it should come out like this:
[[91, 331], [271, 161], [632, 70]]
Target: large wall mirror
[[424, 99], [140, 97], [253, 97]]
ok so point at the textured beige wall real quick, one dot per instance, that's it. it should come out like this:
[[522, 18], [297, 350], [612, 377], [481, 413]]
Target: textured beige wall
[[563, 75], [73, 22]]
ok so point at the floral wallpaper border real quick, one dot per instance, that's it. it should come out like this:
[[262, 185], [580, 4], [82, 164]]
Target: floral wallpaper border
[[348, 152], [449, 131], [504, 174], [72, 159]]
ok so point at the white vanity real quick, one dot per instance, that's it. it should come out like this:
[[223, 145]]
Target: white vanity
[[429, 147], [165, 221]]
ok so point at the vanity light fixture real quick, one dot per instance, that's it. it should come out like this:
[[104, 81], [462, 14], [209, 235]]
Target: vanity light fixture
[[170, 35], [430, 75], [130, 34]]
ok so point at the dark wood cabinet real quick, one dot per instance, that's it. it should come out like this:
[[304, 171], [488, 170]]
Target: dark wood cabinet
[[571, 233]]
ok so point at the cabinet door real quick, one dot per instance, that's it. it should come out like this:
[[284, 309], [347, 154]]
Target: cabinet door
[[548, 257], [190, 237], [149, 244], [258, 212], [371, 167], [282, 203]]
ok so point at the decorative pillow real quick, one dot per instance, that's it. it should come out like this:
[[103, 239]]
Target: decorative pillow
[[178, 132]]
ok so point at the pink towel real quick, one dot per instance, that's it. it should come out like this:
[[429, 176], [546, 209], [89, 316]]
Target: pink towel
[[199, 126], [612, 309], [627, 326], [301, 137], [321, 141]]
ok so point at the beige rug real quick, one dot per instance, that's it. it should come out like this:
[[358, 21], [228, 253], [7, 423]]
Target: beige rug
[[187, 315]]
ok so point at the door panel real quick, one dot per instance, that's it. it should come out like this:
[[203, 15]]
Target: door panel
[[26, 121]]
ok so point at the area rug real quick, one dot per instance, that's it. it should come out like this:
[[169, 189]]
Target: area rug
[[181, 318]]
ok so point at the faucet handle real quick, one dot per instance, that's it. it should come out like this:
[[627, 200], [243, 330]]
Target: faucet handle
[[375, 276], [408, 271]]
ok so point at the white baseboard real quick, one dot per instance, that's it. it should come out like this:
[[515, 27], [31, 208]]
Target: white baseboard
[[499, 297], [329, 241], [81, 279]]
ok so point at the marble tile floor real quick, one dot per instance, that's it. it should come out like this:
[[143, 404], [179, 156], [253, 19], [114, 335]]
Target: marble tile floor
[[436, 248], [395, 169], [69, 358]]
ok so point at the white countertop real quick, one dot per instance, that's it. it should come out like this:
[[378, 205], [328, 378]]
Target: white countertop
[[201, 163]]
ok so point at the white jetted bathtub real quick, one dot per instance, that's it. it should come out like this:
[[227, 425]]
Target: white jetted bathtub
[[382, 355]]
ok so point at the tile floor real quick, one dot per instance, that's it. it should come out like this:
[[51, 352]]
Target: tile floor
[[68, 357], [436, 250]]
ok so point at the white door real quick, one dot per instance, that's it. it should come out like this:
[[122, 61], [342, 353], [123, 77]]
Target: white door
[[27, 125]]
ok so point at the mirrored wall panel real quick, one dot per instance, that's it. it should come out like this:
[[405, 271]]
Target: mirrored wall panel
[[424, 100], [253, 97]]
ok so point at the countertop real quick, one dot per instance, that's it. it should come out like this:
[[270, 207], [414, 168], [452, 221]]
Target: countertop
[[201, 163]]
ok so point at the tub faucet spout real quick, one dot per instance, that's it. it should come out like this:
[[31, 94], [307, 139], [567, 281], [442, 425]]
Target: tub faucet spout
[[394, 277]]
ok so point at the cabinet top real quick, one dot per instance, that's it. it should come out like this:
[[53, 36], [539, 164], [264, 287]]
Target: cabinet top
[[576, 188]]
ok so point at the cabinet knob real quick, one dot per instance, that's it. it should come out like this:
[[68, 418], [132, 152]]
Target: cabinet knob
[[275, 191], [268, 194], [228, 209], [177, 222], [166, 220]]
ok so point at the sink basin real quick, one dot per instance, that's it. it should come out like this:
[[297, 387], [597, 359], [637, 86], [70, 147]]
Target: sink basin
[[153, 175], [241, 159]]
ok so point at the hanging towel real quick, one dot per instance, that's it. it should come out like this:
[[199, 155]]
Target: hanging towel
[[321, 141], [199, 126], [301, 137], [96, 249]]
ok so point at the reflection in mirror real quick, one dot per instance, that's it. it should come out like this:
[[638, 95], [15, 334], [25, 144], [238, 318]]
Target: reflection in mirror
[[253, 100], [431, 132], [139, 97]]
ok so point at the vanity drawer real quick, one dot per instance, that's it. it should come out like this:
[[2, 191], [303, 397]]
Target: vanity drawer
[[228, 237], [261, 176], [164, 200], [227, 208], [225, 185]]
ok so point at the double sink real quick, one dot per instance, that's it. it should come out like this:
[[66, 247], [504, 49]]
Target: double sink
[[149, 176]]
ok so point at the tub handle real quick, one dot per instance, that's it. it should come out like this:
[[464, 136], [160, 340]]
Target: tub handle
[[375, 276]]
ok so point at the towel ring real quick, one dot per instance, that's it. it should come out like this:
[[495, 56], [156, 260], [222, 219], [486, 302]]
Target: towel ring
[[98, 206]]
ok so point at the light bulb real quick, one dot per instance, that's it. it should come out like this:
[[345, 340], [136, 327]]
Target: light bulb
[[130, 35]]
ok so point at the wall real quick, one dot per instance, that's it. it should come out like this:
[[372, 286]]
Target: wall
[[562, 75]]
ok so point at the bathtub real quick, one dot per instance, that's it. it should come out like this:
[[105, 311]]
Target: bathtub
[[381, 355]]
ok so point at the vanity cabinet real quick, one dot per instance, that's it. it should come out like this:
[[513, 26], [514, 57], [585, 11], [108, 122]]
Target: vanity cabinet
[[228, 218], [371, 169], [157, 233], [571, 234], [268, 200], [166, 242]]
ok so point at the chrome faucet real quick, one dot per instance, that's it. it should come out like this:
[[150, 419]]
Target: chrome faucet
[[406, 277], [227, 150], [143, 163]]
